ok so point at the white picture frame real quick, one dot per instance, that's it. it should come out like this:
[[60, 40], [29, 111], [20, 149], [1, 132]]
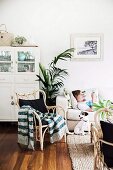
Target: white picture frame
[[87, 47]]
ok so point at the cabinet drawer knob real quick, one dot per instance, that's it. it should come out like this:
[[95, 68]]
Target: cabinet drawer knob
[[12, 103]]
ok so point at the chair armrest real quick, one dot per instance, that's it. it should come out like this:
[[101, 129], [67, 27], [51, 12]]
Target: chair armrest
[[38, 118], [62, 102], [95, 133], [105, 142]]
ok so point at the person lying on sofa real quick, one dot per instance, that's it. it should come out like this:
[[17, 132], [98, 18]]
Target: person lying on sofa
[[82, 104]]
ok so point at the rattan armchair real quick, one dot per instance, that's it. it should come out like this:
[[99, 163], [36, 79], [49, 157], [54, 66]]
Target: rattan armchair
[[40, 128], [101, 143]]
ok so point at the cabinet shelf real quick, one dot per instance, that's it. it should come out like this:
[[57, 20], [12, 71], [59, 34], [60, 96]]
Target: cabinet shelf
[[25, 62], [6, 61]]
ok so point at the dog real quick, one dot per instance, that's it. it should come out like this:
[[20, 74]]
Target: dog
[[83, 127]]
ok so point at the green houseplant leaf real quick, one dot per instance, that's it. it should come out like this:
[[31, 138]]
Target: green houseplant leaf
[[103, 104], [63, 56], [52, 79]]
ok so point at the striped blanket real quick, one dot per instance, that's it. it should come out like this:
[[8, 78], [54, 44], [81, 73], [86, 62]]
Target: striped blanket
[[26, 127], [56, 124]]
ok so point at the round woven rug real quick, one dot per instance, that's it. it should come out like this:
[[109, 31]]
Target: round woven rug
[[81, 152]]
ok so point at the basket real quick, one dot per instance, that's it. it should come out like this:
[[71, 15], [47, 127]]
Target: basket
[[5, 37]]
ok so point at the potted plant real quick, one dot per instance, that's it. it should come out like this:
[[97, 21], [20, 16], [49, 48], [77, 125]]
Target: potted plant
[[19, 40], [52, 78]]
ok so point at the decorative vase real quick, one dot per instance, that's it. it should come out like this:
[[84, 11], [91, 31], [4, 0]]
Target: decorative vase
[[22, 56]]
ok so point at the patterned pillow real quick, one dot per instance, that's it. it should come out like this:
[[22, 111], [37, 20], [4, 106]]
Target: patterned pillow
[[68, 97]]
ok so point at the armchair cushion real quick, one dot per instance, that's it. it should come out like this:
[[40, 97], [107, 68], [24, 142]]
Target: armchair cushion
[[37, 104], [107, 129]]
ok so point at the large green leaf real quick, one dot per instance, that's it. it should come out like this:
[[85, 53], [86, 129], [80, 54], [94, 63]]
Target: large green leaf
[[63, 56], [45, 75], [52, 79], [102, 104]]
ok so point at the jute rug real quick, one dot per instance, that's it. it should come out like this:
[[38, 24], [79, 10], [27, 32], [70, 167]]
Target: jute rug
[[81, 152]]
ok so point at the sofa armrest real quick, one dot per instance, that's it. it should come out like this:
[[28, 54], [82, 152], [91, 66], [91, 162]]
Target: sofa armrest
[[63, 102], [73, 114]]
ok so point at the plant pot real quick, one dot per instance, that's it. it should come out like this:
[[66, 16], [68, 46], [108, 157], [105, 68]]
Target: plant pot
[[51, 102]]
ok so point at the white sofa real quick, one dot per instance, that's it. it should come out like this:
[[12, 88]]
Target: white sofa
[[72, 114]]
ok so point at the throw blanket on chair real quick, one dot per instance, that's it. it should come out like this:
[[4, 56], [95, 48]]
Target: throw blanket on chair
[[26, 127], [57, 125]]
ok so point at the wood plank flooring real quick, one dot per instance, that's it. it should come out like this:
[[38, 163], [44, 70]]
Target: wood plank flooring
[[12, 157]]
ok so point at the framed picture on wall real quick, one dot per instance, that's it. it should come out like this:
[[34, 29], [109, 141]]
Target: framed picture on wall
[[87, 47]]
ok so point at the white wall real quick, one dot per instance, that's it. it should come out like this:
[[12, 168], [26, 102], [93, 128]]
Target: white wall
[[50, 22]]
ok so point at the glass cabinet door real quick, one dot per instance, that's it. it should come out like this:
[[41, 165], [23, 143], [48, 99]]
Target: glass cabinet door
[[6, 60], [26, 60]]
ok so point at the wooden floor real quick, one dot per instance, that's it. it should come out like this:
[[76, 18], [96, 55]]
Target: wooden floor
[[54, 157]]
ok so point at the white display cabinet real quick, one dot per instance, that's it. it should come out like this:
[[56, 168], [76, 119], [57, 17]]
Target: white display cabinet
[[18, 69]]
